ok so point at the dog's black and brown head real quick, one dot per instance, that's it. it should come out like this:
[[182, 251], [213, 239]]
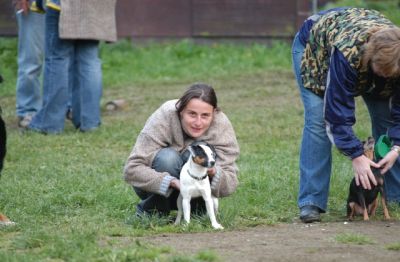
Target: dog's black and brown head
[[203, 154]]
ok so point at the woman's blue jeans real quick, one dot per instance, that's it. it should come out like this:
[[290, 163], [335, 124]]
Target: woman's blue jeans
[[62, 58], [166, 160], [316, 148], [30, 61]]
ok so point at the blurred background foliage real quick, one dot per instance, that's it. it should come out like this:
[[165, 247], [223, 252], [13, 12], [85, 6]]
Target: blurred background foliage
[[390, 8]]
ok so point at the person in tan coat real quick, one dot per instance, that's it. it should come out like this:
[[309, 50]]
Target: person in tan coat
[[73, 31], [159, 153]]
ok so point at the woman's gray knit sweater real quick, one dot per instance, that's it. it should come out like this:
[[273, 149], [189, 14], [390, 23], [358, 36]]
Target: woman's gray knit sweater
[[163, 129]]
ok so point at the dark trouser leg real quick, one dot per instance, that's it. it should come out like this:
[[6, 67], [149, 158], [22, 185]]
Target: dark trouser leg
[[166, 160], [381, 119]]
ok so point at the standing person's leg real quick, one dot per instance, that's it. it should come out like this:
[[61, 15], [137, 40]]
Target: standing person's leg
[[381, 121], [30, 60], [87, 90], [315, 153], [72, 81], [50, 118]]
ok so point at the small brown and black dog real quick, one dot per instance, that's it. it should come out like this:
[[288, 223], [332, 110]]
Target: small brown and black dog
[[363, 201]]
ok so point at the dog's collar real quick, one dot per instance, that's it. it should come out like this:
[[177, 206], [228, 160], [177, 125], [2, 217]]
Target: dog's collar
[[197, 178]]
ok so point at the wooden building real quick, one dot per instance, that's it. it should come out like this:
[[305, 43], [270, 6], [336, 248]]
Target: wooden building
[[198, 19]]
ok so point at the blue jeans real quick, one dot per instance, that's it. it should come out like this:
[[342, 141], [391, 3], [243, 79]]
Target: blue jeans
[[30, 61], [166, 160], [62, 58], [316, 148], [381, 121]]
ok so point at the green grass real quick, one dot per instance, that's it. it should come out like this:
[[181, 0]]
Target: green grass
[[393, 246], [355, 239], [67, 194], [171, 63]]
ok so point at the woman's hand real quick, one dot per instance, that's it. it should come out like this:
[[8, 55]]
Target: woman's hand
[[388, 161], [362, 171], [211, 171], [175, 184]]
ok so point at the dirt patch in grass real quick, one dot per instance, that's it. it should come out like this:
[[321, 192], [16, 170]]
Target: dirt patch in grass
[[293, 242]]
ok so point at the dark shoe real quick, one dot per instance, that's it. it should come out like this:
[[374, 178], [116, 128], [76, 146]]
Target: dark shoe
[[154, 204], [140, 213], [145, 214], [310, 214]]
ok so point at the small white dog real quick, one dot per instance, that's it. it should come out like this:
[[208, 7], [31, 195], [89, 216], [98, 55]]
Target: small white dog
[[195, 182]]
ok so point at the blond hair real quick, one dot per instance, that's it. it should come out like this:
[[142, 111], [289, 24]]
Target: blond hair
[[383, 51]]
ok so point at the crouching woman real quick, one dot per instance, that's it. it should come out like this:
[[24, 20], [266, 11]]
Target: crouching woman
[[160, 151]]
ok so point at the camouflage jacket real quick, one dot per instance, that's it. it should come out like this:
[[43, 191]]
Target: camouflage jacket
[[331, 67], [347, 31]]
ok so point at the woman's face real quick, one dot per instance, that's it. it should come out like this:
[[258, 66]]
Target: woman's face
[[196, 117]]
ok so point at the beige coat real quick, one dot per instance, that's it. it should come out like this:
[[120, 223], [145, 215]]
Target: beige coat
[[88, 19], [163, 129]]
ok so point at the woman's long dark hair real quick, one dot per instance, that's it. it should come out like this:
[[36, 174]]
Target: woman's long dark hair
[[200, 91]]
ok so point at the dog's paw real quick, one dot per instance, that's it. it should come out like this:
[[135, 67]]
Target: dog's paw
[[4, 221], [7, 223], [217, 226]]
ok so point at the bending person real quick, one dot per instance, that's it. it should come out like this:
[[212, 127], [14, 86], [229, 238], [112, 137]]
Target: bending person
[[337, 55]]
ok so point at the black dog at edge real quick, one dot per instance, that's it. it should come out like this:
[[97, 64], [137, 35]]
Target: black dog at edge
[[3, 137], [4, 221], [3, 141]]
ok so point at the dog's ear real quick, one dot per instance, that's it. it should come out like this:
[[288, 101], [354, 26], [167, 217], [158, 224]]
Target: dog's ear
[[199, 142], [196, 150], [191, 150], [212, 149], [369, 144], [369, 147]]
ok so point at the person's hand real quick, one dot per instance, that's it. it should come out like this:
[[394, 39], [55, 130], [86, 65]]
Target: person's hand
[[22, 5], [211, 171], [175, 184], [362, 171], [388, 161]]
